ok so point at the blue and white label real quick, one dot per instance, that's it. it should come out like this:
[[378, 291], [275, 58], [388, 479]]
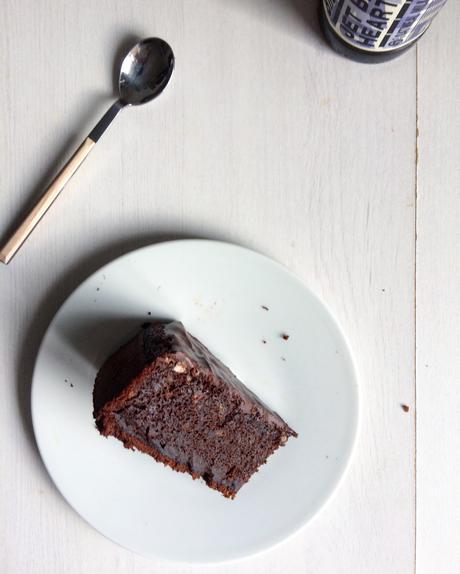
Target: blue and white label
[[381, 25]]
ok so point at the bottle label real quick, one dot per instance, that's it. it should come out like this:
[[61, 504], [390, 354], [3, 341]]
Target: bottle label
[[381, 25]]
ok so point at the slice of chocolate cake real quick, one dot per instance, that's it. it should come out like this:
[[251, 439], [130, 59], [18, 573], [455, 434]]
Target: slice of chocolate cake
[[165, 394]]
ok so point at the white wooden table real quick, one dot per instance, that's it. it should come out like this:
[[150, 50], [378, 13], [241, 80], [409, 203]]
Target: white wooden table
[[347, 174]]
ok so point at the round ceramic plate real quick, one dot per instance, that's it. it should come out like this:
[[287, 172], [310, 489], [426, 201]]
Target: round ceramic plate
[[233, 300]]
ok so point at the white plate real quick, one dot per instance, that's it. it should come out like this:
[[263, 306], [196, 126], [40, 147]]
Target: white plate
[[217, 290]]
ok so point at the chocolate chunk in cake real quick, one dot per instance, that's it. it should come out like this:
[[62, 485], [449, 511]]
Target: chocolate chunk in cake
[[165, 394]]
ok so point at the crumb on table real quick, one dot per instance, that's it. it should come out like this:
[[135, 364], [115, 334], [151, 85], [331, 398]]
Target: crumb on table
[[405, 408], [264, 307], [285, 336], [264, 341]]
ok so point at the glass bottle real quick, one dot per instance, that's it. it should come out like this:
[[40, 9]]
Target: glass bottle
[[373, 31]]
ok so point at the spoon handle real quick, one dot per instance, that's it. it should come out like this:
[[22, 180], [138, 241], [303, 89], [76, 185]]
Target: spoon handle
[[45, 202], [25, 229]]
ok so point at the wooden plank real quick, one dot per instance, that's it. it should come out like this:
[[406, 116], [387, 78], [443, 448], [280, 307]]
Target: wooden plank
[[266, 138], [438, 304]]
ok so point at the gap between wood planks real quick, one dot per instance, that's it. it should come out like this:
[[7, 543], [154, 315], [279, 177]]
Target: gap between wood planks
[[415, 301]]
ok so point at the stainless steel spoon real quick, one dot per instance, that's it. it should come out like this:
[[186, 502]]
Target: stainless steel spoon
[[144, 74]]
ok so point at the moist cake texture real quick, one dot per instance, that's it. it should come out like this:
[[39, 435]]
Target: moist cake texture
[[166, 394]]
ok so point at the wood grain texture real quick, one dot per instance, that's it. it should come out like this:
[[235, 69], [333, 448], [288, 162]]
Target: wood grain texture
[[438, 303], [264, 137]]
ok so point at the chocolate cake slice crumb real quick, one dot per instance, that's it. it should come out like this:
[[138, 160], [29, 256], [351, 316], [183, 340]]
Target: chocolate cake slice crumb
[[166, 394]]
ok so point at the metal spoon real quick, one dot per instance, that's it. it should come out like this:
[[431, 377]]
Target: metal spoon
[[144, 74]]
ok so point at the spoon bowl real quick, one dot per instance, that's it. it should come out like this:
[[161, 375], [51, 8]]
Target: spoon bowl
[[145, 71]]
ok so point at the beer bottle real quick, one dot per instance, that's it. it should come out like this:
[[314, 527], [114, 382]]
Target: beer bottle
[[373, 31]]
